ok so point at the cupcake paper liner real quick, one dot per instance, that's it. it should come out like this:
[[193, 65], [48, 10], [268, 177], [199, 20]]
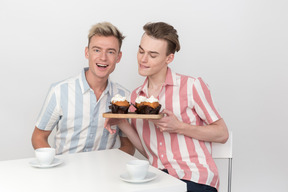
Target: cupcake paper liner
[[119, 109], [145, 109]]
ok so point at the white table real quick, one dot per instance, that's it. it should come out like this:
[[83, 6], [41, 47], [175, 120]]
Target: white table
[[89, 171]]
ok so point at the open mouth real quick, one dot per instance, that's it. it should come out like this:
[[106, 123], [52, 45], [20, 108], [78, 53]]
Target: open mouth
[[101, 65]]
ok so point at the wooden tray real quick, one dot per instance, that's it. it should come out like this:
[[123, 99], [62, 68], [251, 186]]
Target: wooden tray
[[132, 115]]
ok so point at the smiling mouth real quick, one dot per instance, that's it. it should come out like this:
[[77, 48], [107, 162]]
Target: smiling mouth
[[101, 65]]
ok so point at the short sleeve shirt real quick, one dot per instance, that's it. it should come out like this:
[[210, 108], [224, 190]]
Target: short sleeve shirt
[[184, 157], [72, 109]]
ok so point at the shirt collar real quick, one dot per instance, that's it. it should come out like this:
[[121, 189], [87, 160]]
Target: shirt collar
[[85, 86], [169, 81], [108, 87], [83, 82]]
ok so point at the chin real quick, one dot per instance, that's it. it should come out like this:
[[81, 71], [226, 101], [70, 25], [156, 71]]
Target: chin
[[142, 73]]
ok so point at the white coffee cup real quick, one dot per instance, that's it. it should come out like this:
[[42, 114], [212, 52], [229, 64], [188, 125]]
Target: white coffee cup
[[45, 156], [137, 169]]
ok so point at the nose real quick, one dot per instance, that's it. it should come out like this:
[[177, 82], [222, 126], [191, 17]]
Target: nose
[[103, 56], [144, 58]]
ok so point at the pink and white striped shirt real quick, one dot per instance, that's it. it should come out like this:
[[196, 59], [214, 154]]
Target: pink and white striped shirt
[[184, 157]]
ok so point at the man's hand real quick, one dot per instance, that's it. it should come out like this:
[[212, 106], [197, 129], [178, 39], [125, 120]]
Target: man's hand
[[169, 123], [110, 122]]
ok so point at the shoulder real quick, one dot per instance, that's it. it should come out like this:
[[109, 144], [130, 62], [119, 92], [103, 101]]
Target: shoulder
[[185, 78], [194, 80], [67, 81], [200, 81], [118, 87]]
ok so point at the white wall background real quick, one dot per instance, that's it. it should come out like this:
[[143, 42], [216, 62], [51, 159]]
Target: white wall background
[[239, 47]]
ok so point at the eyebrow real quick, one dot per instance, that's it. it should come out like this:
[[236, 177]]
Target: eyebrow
[[109, 49], [151, 52]]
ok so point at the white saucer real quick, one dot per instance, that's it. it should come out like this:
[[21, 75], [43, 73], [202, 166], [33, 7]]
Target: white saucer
[[150, 176], [55, 162]]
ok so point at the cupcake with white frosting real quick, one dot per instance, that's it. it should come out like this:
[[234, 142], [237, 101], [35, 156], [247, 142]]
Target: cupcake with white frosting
[[119, 104], [145, 105], [140, 100]]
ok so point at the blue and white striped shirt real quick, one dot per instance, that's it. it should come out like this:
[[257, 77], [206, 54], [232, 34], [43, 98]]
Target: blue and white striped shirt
[[72, 108]]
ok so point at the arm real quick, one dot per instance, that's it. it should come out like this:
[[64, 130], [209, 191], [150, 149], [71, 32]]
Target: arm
[[214, 132], [127, 146], [129, 131], [40, 138]]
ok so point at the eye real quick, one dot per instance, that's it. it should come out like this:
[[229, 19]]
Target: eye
[[140, 51], [153, 56], [96, 50], [112, 52]]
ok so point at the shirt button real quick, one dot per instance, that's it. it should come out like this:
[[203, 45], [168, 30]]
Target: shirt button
[[160, 143], [162, 156]]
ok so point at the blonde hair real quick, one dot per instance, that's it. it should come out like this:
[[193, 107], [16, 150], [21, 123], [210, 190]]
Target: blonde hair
[[105, 29], [161, 30]]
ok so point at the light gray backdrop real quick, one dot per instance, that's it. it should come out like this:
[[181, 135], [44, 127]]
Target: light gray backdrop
[[238, 47]]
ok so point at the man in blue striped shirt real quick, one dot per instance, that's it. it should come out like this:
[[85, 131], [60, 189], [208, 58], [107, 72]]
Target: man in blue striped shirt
[[75, 106]]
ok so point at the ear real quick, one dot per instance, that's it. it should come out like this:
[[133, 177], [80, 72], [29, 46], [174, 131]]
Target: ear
[[170, 58], [119, 57], [86, 52]]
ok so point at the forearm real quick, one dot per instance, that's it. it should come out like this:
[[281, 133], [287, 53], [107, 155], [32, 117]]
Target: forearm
[[39, 142], [127, 146], [40, 138], [132, 135], [215, 132], [128, 150]]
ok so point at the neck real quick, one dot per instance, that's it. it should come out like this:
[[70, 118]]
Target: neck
[[157, 79], [96, 84], [156, 82]]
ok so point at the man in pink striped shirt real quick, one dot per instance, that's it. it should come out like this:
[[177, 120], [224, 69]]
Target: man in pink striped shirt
[[180, 142]]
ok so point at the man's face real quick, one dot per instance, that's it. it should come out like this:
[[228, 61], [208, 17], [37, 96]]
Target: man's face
[[151, 56], [103, 54]]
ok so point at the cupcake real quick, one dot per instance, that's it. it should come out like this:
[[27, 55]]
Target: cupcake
[[119, 104], [140, 101], [145, 105]]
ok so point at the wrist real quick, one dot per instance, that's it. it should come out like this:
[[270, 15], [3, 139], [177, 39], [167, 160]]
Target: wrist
[[182, 128], [123, 123]]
